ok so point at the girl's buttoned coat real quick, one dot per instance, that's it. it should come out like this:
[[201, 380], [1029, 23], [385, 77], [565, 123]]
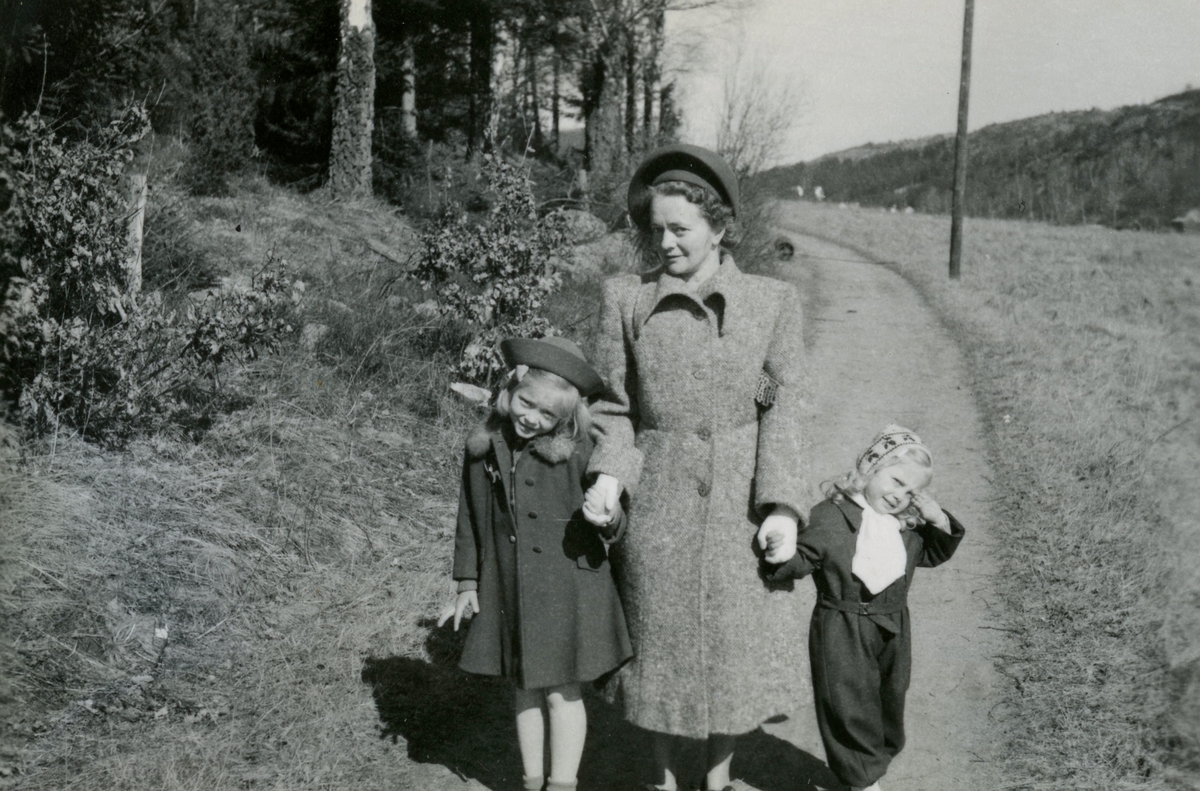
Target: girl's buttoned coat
[[860, 646], [549, 610], [703, 422]]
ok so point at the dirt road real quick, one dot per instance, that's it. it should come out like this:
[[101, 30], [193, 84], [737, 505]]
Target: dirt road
[[878, 355]]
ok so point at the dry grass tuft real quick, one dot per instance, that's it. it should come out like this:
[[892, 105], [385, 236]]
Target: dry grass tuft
[[1085, 347]]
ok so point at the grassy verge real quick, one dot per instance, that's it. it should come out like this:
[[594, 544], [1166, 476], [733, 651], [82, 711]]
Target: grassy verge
[[254, 608], [1084, 344]]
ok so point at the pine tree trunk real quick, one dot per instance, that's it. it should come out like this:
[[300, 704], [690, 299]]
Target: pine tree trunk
[[408, 95], [535, 107], [554, 101], [604, 135], [651, 75], [483, 37], [354, 109], [630, 91]]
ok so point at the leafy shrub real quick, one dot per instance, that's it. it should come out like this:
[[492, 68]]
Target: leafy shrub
[[494, 276], [81, 348]]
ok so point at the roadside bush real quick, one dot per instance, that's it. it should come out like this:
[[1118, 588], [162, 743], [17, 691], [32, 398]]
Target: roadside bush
[[495, 276], [81, 349]]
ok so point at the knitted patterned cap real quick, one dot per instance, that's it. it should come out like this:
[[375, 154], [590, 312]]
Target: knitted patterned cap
[[887, 443]]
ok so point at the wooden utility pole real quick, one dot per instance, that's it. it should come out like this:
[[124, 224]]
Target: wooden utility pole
[[960, 146]]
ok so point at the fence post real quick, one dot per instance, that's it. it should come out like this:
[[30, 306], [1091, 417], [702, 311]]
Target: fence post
[[960, 146], [136, 227]]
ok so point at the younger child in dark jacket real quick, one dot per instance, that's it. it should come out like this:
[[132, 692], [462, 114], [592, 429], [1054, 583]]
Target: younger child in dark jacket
[[862, 545], [530, 568]]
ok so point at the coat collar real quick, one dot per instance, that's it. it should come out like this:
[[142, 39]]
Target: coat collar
[[496, 433], [851, 511], [725, 283]]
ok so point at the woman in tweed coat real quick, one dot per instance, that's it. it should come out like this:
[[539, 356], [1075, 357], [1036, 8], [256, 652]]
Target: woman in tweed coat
[[700, 429]]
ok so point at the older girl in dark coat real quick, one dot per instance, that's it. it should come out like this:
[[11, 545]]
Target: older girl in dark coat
[[861, 546], [531, 570]]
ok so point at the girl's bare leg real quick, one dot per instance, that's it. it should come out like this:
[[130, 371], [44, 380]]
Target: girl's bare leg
[[568, 728], [664, 762], [720, 756], [531, 732]]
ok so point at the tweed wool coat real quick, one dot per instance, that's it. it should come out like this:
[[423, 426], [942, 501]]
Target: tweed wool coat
[[702, 462], [549, 610]]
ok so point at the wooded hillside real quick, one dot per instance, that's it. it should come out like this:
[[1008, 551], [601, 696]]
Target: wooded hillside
[[1136, 166]]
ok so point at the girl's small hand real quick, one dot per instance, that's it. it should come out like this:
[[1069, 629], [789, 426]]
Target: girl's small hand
[[465, 607], [777, 536], [931, 512], [600, 501]]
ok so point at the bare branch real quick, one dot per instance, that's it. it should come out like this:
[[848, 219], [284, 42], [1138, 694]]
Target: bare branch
[[759, 108]]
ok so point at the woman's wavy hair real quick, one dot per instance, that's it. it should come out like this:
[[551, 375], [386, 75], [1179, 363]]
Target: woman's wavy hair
[[718, 213], [574, 419], [845, 486]]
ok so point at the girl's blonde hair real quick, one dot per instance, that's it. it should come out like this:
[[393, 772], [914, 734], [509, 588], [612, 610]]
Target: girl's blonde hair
[[845, 486], [574, 419]]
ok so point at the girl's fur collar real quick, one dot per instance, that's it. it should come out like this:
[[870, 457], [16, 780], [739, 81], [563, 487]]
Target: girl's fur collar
[[552, 448]]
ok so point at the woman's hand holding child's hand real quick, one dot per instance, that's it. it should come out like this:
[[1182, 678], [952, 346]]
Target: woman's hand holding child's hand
[[600, 501], [464, 607], [931, 512], [777, 536]]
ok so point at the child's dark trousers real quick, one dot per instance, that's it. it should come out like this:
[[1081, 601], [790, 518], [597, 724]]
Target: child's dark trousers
[[860, 673]]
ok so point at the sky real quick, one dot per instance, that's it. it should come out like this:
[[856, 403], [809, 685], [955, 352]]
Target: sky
[[885, 70]]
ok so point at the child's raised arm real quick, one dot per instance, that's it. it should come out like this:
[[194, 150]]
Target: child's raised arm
[[931, 512]]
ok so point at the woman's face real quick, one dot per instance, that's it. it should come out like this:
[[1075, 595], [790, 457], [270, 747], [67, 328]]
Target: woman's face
[[686, 242]]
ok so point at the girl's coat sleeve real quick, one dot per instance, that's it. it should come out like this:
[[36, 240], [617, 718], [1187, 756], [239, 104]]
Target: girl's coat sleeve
[[938, 546], [614, 413], [466, 538], [810, 552], [781, 475]]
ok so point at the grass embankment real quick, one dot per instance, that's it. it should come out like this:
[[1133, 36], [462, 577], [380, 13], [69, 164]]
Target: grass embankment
[[1084, 345], [252, 608]]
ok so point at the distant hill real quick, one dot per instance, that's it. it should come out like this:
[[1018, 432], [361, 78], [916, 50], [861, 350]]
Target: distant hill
[[1136, 166]]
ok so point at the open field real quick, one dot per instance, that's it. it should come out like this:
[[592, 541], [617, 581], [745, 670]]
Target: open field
[[1084, 345]]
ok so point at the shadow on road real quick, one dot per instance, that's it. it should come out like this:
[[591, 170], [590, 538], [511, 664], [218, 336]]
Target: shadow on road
[[466, 724]]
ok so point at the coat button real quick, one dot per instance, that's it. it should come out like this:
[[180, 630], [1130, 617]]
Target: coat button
[[702, 488], [704, 434], [533, 514], [529, 481], [537, 549], [512, 539]]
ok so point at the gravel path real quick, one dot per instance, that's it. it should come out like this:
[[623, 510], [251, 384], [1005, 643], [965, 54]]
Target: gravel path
[[879, 355]]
